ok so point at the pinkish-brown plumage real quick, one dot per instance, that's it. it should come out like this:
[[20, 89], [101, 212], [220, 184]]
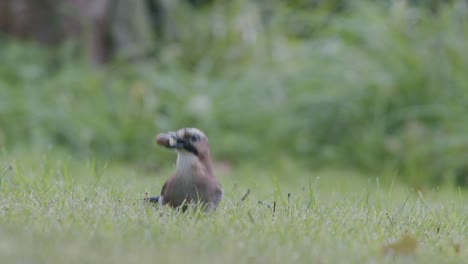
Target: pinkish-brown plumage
[[193, 181]]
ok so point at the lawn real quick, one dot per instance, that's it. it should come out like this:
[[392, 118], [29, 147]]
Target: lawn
[[58, 209]]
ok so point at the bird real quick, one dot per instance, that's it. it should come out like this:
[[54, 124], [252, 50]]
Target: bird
[[193, 181]]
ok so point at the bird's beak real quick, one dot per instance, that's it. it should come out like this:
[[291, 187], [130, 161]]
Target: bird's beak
[[171, 140]]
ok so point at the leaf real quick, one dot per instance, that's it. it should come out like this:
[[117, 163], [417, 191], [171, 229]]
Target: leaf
[[406, 245]]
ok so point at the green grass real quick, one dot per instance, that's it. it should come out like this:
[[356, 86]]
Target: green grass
[[54, 209]]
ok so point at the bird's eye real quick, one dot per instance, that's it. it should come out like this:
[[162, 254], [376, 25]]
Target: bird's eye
[[194, 138]]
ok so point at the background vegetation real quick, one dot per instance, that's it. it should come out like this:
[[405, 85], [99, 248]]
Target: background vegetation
[[379, 86]]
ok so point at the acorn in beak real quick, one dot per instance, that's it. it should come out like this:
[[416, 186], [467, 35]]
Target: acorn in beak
[[171, 140]]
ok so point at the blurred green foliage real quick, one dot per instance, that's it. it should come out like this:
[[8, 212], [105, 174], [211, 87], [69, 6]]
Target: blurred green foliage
[[374, 86]]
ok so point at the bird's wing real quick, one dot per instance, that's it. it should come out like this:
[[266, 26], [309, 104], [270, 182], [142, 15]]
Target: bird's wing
[[163, 189]]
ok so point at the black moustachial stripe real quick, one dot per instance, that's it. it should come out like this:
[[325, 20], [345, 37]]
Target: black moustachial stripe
[[190, 148]]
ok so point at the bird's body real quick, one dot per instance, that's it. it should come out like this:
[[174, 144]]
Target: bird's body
[[193, 181]]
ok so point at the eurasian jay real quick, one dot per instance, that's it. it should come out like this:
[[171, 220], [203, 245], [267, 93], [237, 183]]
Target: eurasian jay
[[193, 181]]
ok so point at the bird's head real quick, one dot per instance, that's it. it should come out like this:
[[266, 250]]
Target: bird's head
[[186, 140]]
